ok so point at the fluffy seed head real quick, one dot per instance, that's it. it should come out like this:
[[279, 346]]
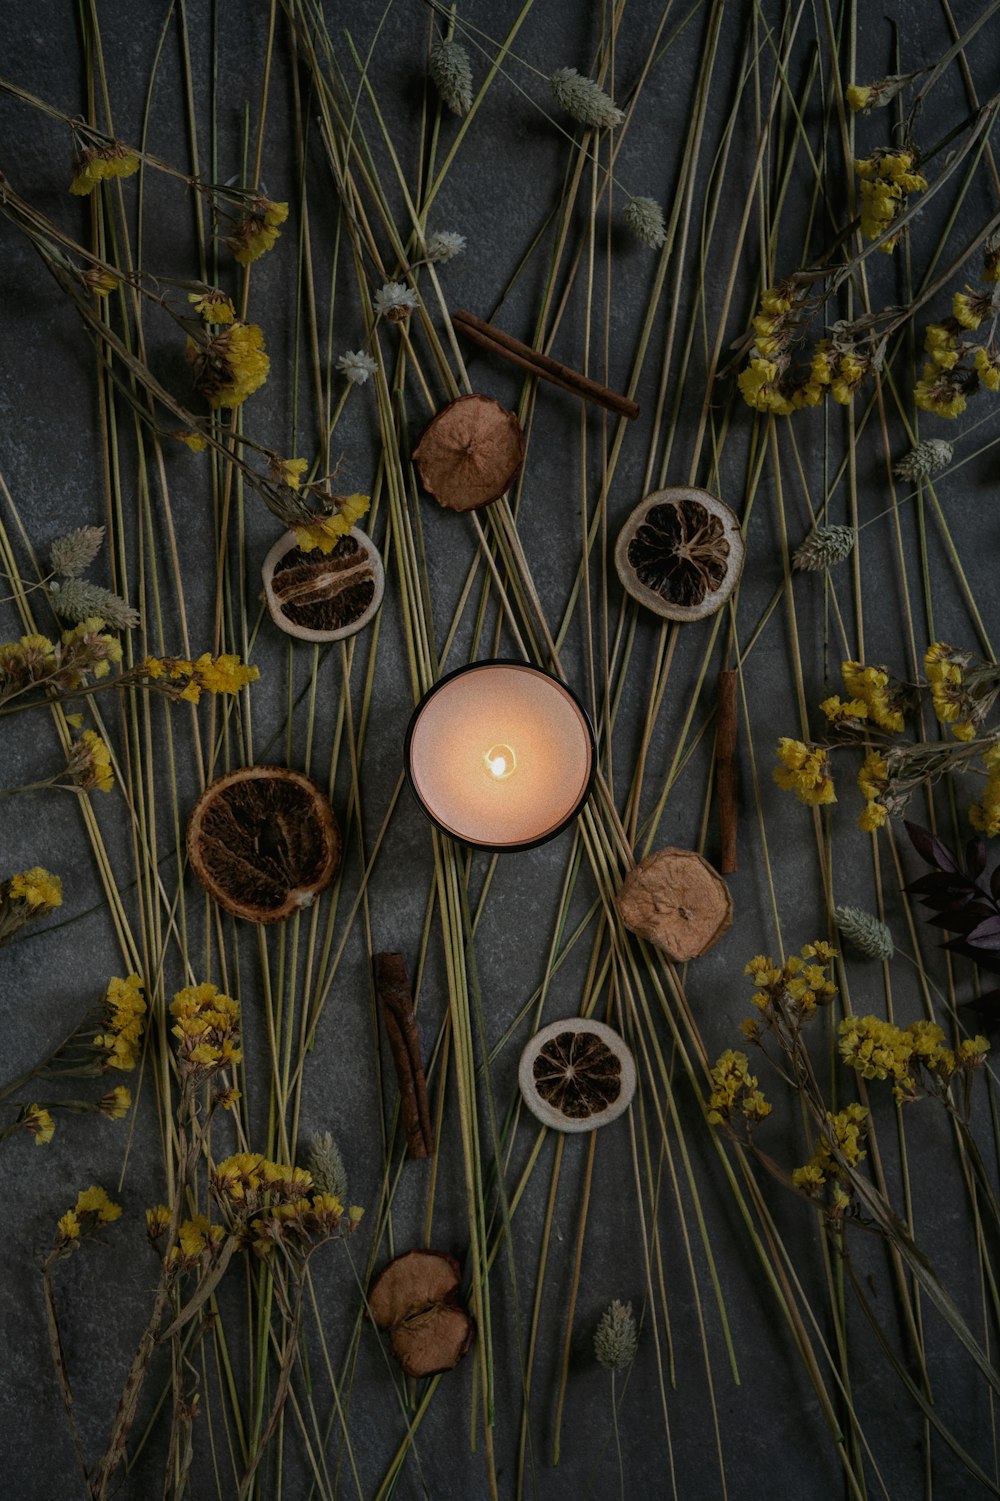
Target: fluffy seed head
[[78, 600], [824, 547], [585, 100], [927, 458], [644, 217], [865, 932], [451, 71], [76, 551], [444, 245], [326, 1165], [616, 1338]]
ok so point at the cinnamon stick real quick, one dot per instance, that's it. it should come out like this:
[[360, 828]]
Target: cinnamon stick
[[487, 336], [404, 1042], [725, 769]]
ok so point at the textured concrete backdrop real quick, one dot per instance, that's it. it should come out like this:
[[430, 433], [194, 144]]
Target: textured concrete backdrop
[[498, 195]]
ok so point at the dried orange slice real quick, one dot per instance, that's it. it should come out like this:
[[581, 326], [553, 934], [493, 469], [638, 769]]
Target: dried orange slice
[[470, 453], [416, 1299], [576, 1075], [264, 842], [321, 596], [680, 553], [676, 900]]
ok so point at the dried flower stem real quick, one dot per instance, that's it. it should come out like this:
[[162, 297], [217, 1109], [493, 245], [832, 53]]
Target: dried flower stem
[[725, 770], [59, 1364]]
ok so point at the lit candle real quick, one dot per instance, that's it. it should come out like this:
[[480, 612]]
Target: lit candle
[[500, 755]]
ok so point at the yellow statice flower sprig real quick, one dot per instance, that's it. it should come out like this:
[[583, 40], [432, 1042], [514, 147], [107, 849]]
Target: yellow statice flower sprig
[[787, 994], [271, 1203], [35, 662], [805, 770], [228, 366], [886, 179], [96, 164], [207, 1030], [92, 1211], [958, 365], [36, 1119], [25, 897], [324, 532], [836, 1150], [257, 231], [179, 678], [735, 1098]]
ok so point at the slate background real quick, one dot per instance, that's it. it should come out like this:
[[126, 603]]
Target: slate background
[[498, 196]]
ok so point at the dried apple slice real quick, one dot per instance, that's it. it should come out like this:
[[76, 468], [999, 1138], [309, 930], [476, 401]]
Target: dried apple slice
[[470, 453], [264, 842], [416, 1299], [677, 901], [576, 1075], [320, 596], [680, 553]]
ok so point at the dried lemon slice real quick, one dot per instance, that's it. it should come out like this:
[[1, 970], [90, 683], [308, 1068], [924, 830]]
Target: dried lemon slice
[[576, 1075], [320, 596], [680, 553], [264, 842]]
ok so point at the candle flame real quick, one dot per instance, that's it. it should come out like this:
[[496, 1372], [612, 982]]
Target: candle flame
[[500, 761]]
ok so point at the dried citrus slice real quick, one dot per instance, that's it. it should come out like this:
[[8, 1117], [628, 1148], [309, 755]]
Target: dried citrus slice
[[321, 596], [470, 453], [264, 842], [676, 900], [416, 1299], [680, 553], [576, 1075]]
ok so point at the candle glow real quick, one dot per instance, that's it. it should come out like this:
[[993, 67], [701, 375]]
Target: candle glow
[[500, 755]]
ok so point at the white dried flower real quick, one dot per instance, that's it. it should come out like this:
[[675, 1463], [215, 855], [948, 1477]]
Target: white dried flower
[[395, 301], [824, 547], [357, 366], [864, 932], [443, 245], [925, 459], [644, 218], [326, 1165], [616, 1338], [585, 100], [78, 599], [452, 74], [76, 551]]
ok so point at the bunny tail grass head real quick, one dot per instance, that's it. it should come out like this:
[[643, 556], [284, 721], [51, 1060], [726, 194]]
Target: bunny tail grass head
[[585, 100], [451, 71], [644, 217], [864, 932]]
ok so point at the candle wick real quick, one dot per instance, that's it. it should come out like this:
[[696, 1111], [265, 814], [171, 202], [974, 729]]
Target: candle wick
[[500, 761]]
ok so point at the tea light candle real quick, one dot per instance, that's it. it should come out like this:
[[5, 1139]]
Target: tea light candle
[[500, 755]]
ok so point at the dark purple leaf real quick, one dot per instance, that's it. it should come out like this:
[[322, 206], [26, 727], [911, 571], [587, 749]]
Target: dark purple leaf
[[948, 917], [975, 856], [961, 917], [938, 882], [995, 883], [930, 847], [976, 913], [986, 1008], [987, 959], [986, 935]]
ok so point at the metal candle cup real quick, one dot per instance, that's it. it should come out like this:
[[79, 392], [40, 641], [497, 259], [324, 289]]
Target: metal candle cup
[[500, 755]]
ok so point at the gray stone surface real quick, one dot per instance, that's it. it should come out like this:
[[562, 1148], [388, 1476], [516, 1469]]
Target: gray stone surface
[[772, 1433]]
